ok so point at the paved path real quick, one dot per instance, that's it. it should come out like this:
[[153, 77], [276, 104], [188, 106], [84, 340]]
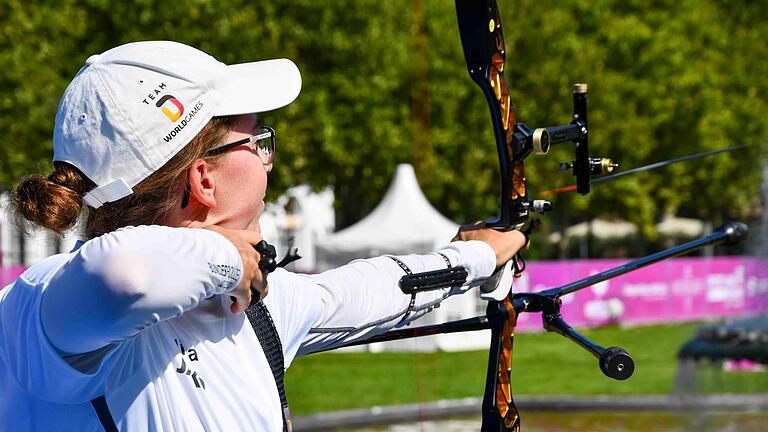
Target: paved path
[[470, 406]]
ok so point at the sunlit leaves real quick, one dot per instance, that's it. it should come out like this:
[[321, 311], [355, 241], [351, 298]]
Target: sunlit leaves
[[666, 78]]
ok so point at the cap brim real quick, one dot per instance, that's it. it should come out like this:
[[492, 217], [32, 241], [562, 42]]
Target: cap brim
[[260, 86]]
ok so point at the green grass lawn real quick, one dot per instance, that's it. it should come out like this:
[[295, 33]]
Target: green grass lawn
[[543, 364]]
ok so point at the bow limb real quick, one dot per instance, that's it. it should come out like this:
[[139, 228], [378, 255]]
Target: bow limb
[[499, 410], [485, 53]]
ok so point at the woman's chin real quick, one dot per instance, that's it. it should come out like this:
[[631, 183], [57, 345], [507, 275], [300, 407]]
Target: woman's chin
[[254, 225]]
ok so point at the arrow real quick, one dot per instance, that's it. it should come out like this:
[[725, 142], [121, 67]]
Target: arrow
[[643, 168]]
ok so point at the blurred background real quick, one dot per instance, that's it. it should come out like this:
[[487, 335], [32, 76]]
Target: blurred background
[[385, 83]]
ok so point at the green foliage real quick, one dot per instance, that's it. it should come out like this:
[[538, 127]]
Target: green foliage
[[385, 83]]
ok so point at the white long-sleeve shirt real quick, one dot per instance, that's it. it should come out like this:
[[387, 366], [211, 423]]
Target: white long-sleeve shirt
[[141, 316]]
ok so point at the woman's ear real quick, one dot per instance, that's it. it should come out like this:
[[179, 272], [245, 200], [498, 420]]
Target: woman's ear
[[202, 184]]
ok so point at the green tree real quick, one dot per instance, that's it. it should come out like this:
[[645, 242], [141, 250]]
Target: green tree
[[385, 83]]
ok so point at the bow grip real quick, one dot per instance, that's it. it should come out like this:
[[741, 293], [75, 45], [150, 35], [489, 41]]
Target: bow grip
[[498, 286]]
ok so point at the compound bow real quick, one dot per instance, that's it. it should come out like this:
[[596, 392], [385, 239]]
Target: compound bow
[[485, 53]]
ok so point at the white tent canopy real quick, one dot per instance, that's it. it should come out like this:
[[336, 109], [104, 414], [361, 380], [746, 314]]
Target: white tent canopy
[[598, 228], [602, 229], [672, 226], [404, 222]]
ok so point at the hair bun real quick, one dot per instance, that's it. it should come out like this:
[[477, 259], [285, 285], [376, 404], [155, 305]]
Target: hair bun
[[48, 202]]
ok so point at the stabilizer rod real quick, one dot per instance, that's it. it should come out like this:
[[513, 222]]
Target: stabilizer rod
[[614, 362], [611, 359], [729, 233]]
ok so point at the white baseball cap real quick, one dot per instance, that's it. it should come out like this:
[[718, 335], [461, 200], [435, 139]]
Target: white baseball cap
[[132, 108]]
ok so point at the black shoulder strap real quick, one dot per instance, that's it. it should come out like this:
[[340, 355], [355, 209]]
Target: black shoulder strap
[[265, 330], [105, 417]]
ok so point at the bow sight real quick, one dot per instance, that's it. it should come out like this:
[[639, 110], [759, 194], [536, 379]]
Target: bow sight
[[583, 166], [539, 141]]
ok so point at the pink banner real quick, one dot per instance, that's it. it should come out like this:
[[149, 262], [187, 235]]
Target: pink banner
[[682, 289], [9, 274]]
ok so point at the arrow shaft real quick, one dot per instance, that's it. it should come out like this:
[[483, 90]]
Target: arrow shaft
[[665, 163], [643, 168]]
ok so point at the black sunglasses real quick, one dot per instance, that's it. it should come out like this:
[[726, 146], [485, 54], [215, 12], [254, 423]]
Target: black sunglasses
[[262, 143]]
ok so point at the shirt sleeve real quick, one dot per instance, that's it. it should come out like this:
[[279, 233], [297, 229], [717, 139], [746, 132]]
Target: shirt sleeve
[[27, 359], [118, 284], [362, 298]]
